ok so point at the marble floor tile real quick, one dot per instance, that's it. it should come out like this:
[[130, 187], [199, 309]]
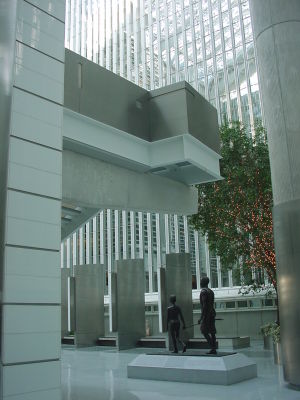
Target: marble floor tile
[[100, 374]]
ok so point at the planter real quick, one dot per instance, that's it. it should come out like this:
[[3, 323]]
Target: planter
[[277, 353], [268, 343]]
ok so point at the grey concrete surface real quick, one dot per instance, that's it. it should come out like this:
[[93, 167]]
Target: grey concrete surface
[[96, 184], [168, 111], [173, 110], [130, 303], [277, 30], [89, 304], [105, 96], [65, 275], [179, 282], [178, 109], [287, 234], [67, 227]]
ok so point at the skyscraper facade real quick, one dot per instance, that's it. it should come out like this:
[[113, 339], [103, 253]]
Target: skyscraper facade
[[153, 43]]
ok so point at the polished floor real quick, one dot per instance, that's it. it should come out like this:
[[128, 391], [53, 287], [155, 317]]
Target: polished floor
[[100, 374]]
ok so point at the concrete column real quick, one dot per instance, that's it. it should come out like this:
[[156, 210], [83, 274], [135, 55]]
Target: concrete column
[[178, 281], [141, 235], [161, 263], [89, 304], [65, 275], [197, 257], [95, 240], [130, 302], [132, 235], [277, 35], [31, 98]]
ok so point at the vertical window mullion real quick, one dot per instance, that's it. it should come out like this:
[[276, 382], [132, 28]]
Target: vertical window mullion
[[197, 256], [149, 246]]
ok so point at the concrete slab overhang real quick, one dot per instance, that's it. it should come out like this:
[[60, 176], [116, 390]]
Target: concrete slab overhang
[[181, 158], [127, 148], [171, 131]]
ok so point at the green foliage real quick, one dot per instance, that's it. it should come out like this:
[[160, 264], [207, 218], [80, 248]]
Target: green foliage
[[271, 329], [255, 287], [276, 333], [266, 329], [235, 213]]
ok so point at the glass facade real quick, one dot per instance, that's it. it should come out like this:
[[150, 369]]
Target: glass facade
[[153, 43], [208, 43], [114, 235]]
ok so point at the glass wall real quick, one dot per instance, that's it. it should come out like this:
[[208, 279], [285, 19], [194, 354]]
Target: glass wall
[[153, 43], [208, 43], [114, 235]]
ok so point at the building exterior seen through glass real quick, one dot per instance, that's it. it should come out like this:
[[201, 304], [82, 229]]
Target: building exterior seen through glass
[[153, 43]]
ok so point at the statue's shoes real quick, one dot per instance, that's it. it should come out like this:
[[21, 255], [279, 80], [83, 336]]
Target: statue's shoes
[[184, 348], [175, 351], [212, 351]]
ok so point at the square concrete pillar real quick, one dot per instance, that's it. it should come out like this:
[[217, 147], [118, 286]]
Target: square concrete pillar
[[130, 302], [178, 281], [89, 304], [65, 275]]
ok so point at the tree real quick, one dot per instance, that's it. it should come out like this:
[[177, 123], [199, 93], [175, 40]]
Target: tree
[[236, 212]]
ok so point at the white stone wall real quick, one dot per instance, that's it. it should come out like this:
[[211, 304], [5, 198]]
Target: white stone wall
[[31, 278]]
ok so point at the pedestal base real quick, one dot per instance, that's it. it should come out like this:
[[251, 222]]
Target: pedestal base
[[216, 370]]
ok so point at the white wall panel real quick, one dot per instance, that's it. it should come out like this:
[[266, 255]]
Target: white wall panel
[[39, 73], [31, 318], [19, 261], [52, 7], [40, 31], [35, 156], [19, 379], [34, 181], [36, 119], [53, 394], [28, 347], [44, 236], [31, 289], [30, 329], [34, 208]]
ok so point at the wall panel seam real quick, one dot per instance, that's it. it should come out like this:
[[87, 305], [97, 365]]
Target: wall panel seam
[[37, 143], [37, 95], [31, 248], [275, 24], [40, 51], [45, 12]]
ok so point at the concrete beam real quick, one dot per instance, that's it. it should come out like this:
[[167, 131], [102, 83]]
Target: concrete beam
[[93, 183]]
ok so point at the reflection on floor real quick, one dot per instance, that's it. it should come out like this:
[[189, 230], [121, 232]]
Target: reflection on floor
[[100, 374]]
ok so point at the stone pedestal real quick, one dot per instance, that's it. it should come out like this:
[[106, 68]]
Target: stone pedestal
[[216, 370]]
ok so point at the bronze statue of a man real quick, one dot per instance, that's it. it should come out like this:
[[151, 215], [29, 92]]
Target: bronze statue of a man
[[208, 315], [173, 323]]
